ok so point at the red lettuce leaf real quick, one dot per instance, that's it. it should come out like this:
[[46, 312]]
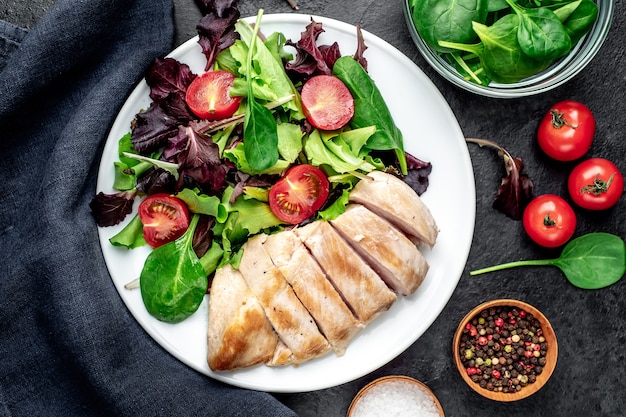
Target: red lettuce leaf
[[198, 158], [361, 47], [157, 180], [152, 128], [218, 7], [111, 209], [417, 176], [516, 189], [167, 77], [216, 33]]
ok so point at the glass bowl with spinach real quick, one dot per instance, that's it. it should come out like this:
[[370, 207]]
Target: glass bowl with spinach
[[508, 48]]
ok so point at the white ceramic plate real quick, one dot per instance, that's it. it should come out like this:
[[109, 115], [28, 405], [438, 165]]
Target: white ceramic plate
[[431, 133]]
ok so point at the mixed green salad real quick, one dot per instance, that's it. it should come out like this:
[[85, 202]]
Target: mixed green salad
[[243, 148]]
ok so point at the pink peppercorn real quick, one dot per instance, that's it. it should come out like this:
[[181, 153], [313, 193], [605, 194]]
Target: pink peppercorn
[[496, 374], [499, 322]]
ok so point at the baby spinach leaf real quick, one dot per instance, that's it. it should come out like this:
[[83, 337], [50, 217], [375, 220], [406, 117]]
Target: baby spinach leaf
[[173, 281], [540, 33], [259, 126], [370, 109], [591, 261], [579, 23], [448, 20]]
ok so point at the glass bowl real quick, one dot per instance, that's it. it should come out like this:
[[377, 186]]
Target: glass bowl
[[557, 74]]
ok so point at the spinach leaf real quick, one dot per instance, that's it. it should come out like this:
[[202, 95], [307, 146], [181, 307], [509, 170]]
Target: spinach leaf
[[173, 281], [259, 126], [579, 23], [540, 33], [370, 109], [591, 261], [499, 51], [447, 20]]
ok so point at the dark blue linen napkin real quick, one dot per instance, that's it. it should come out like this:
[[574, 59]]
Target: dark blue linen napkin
[[68, 345]]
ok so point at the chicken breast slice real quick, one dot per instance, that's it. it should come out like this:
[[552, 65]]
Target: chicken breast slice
[[290, 319], [239, 334], [386, 249], [359, 285], [394, 200], [333, 317]]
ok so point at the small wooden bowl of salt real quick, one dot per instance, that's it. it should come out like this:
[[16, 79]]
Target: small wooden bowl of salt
[[395, 395]]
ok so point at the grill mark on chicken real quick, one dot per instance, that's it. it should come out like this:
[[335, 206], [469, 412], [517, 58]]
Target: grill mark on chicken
[[359, 285], [387, 250], [313, 289], [395, 201], [290, 319], [239, 334]]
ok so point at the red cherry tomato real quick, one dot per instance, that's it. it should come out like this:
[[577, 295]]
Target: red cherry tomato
[[208, 95], [566, 131], [299, 194], [595, 184], [549, 220], [164, 218], [327, 102]]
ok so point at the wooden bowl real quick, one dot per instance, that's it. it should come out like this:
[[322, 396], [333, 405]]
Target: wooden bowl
[[373, 387], [550, 355]]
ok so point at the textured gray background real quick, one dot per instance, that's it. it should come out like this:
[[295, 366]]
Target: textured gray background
[[589, 379]]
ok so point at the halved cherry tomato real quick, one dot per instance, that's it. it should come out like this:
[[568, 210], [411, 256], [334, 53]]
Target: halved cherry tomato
[[327, 102], [299, 194], [566, 131], [208, 95], [595, 184], [165, 218], [549, 220]]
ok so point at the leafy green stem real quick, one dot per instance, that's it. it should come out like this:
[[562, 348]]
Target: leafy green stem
[[536, 262]]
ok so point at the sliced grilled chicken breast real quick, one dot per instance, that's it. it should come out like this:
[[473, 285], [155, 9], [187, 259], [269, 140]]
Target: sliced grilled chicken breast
[[362, 289], [290, 319], [393, 199], [386, 249], [239, 334], [317, 294], [282, 356]]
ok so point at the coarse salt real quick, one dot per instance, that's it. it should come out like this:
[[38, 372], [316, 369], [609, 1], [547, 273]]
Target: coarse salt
[[395, 399]]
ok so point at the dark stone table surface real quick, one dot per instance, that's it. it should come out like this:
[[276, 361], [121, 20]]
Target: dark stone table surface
[[590, 324]]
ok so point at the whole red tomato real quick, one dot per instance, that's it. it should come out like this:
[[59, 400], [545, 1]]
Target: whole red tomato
[[549, 220], [566, 131], [595, 184]]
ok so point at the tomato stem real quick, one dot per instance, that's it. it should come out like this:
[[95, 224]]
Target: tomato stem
[[598, 186], [558, 120]]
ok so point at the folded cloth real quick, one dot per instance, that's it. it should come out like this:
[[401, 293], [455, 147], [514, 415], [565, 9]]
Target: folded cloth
[[68, 345]]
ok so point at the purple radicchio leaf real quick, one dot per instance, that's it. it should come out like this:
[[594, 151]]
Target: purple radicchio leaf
[[111, 209], [516, 189], [417, 177], [217, 33], [152, 128]]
